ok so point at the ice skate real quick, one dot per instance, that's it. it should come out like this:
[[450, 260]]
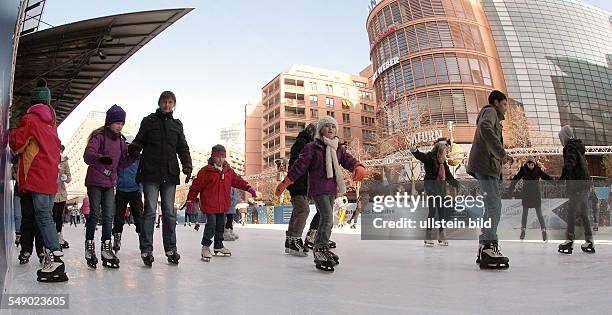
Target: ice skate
[[353, 226], [24, 258], [442, 238], [566, 247], [147, 259], [173, 256], [116, 242], [53, 269], [90, 254], [544, 236], [492, 258], [17, 239], [197, 227], [222, 252], [236, 237], [108, 257], [301, 245], [331, 244], [292, 247], [310, 236], [227, 235], [323, 259], [63, 243], [206, 254], [522, 237], [588, 247], [428, 242]]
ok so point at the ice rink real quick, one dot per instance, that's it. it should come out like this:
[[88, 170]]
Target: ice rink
[[374, 277]]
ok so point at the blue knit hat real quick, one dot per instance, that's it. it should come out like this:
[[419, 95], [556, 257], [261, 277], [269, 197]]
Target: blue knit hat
[[114, 114]]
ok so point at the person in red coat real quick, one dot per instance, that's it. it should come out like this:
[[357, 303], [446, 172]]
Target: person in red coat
[[37, 143], [213, 184]]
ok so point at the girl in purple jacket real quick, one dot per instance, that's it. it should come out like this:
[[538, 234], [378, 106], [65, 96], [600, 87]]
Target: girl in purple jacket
[[106, 152], [321, 160]]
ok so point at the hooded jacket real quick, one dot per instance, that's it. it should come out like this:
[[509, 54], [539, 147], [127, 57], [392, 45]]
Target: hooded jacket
[[214, 187], [575, 170], [36, 140], [300, 186]]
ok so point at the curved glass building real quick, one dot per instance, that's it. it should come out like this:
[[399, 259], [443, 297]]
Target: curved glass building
[[436, 61]]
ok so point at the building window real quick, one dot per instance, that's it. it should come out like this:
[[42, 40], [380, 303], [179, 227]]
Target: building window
[[314, 100], [346, 132], [366, 95], [368, 121], [314, 113], [313, 86], [368, 134], [345, 92], [367, 108], [346, 118], [330, 113], [360, 84], [329, 88], [329, 102]]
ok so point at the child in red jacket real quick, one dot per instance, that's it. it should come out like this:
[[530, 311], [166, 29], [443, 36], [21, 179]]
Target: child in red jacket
[[213, 183]]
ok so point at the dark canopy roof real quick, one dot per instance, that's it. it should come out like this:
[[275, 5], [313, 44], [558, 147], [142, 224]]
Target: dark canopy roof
[[75, 58]]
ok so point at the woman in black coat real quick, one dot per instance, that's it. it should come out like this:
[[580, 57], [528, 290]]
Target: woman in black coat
[[531, 173], [437, 174]]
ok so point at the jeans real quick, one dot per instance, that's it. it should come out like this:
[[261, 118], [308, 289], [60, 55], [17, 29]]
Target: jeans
[[362, 203], [151, 192], [29, 228], [214, 227], [538, 213], [489, 187], [325, 208], [298, 216], [73, 220], [577, 206], [17, 210], [101, 202], [122, 199], [58, 215]]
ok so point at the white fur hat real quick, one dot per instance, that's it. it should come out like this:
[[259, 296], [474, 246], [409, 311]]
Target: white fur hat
[[324, 121]]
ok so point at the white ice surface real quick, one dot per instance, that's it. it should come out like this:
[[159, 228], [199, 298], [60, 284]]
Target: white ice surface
[[374, 277]]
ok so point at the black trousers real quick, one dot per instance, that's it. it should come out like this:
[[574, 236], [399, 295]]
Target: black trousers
[[58, 215], [122, 199], [214, 227], [229, 221], [29, 230], [314, 224]]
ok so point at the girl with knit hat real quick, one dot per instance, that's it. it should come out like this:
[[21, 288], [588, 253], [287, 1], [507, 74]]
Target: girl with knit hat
[[213, 184], [321, 160], [105, 153]]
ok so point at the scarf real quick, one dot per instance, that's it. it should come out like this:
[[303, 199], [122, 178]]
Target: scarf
[[331, 163]]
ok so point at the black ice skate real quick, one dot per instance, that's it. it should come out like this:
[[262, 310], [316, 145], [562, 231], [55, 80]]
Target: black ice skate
[[197, 227], [566, 247], [331, 244], [24, 258], [90, 254], [222, 252], [63, 243], [294, 247], [323, 259], [108, 257], [544, 236], [116, 242], [301, 245], [147, 259], [206, 254], [492, 258], [588, 247], [309, 240], [335, 257], [53, 269], [17, 239], [173, 257], [522, 237]]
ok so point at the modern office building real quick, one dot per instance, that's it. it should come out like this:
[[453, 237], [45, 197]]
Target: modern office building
[[302, 95], [436, 61]]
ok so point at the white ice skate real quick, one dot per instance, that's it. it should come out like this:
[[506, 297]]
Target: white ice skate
[[222, 252], [206, 254], [227, 235]]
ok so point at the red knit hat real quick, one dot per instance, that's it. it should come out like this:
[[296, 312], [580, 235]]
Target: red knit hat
[[218, 151]]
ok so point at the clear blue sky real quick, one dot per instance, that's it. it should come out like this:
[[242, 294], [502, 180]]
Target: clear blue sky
[[218, 57]]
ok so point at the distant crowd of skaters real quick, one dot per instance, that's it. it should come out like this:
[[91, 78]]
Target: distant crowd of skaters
[[120, 172]]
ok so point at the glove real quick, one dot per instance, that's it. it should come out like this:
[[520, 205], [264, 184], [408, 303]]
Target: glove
[[359, 173], [252, 192], [282, 186], [189, 206], [63, 178], [134, 151], [106, 160], [187, 172]]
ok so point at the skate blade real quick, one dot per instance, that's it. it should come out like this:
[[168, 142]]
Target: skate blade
[[429, 245], [206, 259], [58, 278], [223, 255], [589, 251], [566, 252], [297, 253], [173, 262], [109, 265], [443, 244], [494, 266], [328, 268]]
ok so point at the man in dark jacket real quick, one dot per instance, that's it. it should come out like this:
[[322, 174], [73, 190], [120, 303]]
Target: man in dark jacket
[[299, 197], [161, 139], [531, 173], [576, 176], [486, 157]]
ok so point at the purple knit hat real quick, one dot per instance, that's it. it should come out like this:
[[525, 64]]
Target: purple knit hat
[[114, 114]]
